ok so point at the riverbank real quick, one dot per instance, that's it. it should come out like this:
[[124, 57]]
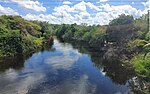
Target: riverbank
[[19, 36], [65, 68], [124, 39]]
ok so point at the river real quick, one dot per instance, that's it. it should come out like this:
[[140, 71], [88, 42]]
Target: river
[[63, 69]]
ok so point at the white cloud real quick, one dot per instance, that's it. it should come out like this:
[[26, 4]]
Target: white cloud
[[5, 1], [29, 4], [146, 4], [67, 2], [75, 14], [7, 11], [103, 0], [42, 17], [84, 15], [110, 12], [80, 7], [79, 13], [120, 9], [92, 6], [62, 8], [132, 3]]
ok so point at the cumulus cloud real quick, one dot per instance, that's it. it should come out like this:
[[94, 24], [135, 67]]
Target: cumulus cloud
[[84, 15], [29, 4], [92, 6], [7, 11], [75, 14], [62, 8], [103, 0], [79, 13], [104, 14], [67, 2], [42, 17], [80, 7], [120, 9], [110, 12], [132, 3], [146, 4], [5, 1]]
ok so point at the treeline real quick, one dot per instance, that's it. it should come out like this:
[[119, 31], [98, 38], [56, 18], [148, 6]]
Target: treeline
[[19, 36], [125, 38]]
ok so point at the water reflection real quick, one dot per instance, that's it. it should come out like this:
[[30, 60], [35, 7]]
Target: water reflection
[[16, 62], [66, 69], [119, 72]]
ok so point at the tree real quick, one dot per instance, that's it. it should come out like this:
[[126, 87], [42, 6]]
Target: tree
[[122, 19]]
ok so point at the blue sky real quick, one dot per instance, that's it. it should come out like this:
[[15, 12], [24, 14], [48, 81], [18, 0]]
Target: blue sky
[[74, 11]]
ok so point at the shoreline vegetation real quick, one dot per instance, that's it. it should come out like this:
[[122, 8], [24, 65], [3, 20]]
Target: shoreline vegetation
[[125, 39], [19, 36]]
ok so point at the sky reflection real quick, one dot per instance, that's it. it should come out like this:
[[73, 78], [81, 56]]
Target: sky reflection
[[63, 71]]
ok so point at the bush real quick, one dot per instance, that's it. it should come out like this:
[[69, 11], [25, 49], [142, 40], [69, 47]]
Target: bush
[[68, 35], [142, 66], [147, 36], [18, 36]]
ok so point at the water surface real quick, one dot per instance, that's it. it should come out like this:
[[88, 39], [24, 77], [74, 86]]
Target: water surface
[[63, 69]]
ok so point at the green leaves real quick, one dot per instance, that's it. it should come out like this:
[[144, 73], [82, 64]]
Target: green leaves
[[122, 20], [142, 66], [18, 36], [139, 43], [148, 36]]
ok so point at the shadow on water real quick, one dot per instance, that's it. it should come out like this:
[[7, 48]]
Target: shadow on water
[[65, 68], [114, 68], [17, 62]]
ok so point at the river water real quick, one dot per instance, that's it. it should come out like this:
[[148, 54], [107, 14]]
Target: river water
[[63, 69]]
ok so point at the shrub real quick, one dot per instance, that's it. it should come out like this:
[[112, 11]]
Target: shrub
[[142, 66]]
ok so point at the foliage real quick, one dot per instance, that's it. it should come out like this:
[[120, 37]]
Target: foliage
[[147, 36], [90, 34], [146, 48], [129, 37], [141, 26], [18, 36], [142, 66], [98, 37], [122, 19], [68, 35], [87, 36], [139, 43]]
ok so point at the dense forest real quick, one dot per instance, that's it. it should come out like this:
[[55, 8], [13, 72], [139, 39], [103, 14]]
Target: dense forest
[[125, 38], [19, 36]]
